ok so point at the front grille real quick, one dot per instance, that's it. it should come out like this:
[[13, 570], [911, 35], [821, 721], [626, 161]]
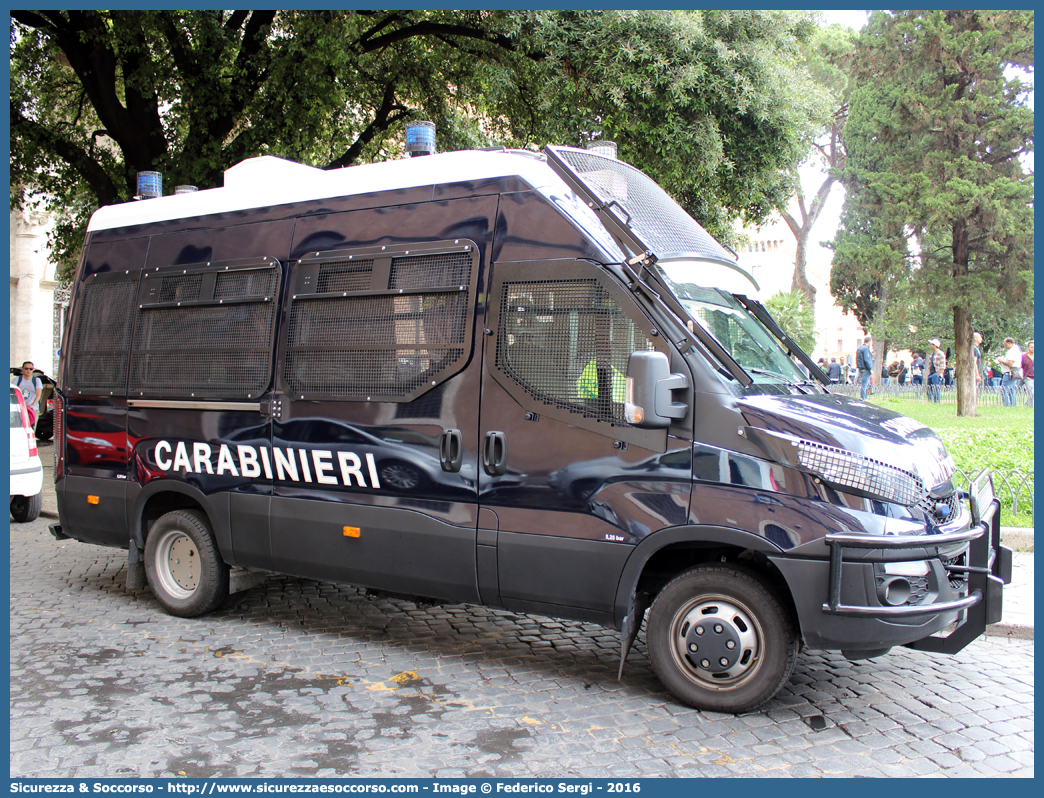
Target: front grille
[[919, 588], [931, 505], [958, 579]]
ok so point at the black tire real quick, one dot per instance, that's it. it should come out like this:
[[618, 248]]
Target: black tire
[[183, 566], [26, 508], [748, 639]]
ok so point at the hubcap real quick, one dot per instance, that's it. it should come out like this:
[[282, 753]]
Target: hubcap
[[717, 641], [177, 564]]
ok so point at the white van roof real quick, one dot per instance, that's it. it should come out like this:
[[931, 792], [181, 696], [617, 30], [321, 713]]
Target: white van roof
[[268, 181]]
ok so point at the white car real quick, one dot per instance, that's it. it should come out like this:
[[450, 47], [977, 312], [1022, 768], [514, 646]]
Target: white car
[[26, 468]]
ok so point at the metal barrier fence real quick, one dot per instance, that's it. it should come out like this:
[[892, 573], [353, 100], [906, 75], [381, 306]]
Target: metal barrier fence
[[1012, 483], [1015, 485], [988, 395]]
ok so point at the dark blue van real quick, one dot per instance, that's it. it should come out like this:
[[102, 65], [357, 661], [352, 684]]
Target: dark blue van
[[526, 380]]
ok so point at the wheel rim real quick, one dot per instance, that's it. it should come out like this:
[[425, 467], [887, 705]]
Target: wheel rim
[[19, 505], [400, 476], [717, 642], [178, 566]]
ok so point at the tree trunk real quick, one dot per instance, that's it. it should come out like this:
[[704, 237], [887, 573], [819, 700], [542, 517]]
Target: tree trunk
[[964, 368], [962, 327], [880, 350], [800, 281]]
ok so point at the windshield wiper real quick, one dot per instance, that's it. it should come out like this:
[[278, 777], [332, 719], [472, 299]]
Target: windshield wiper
[[785, 379], [757, 310]]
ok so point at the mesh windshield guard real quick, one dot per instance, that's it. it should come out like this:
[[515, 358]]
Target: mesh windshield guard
[[665, 229]]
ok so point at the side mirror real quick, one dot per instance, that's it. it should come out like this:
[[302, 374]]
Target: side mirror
[[648, 401]]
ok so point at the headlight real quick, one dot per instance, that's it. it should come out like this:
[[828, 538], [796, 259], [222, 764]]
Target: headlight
[[870, 477]]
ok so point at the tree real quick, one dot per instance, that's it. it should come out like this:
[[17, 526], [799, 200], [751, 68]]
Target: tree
[[713, 104], [794, 313], [944, 123], [872, 264], [828, 59]]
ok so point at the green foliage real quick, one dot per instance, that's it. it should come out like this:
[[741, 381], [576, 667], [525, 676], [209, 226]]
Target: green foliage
[[998, 438], [796, 315], [936, 131], [931, 322], [715, 105]]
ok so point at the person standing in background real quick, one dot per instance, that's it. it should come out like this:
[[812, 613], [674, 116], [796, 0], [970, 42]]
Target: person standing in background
[[1011, 371], [1010, 364], [936, 368], [834, 371], [31, 387], [865, 364], [1027, 372], [977, 355]]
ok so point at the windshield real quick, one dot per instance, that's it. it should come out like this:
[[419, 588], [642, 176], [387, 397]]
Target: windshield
[[742, 336]]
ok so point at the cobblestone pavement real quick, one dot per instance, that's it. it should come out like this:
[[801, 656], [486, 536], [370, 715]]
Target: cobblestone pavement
[[302, 678]]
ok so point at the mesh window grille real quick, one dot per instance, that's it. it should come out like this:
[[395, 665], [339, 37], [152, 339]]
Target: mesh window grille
[[180, 288], [380, 346], [254, 282], [209, 351], [863, 473], [431, 271], [102, 337], [567, 344], [344, 275], [656, 218]]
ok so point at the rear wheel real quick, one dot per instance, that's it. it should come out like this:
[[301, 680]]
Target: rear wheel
[[184, 568], [720, 639], [26, 508]]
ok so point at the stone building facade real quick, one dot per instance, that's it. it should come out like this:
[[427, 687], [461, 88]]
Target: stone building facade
[[36, 319], [769, 257]]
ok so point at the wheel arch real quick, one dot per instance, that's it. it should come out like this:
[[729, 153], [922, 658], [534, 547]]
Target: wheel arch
[[663, 555], [161, 496]]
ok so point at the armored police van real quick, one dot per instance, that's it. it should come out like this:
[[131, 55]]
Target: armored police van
[[526, 380]]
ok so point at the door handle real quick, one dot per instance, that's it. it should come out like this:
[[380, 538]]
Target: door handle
[[494, 454], [451, 450]]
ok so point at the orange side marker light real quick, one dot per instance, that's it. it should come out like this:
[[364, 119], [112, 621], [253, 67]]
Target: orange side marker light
[[92, 500], [352, 531]]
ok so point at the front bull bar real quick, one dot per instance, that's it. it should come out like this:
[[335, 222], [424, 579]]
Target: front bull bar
[[988, 568]]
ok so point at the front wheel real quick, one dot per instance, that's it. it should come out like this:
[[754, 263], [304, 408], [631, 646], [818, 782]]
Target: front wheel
[[184, 568], [720, 639]]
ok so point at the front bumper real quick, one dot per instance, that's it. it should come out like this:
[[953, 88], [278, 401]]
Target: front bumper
[[967, 571]]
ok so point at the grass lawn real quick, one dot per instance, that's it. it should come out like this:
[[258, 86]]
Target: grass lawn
[[999, 438]]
